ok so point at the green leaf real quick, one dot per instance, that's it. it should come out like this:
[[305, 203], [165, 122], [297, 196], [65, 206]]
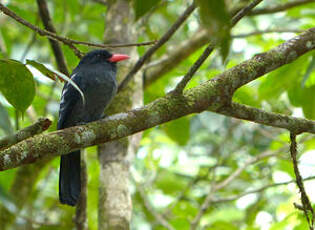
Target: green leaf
[[283, 224], [305, 98], [222, 225], [52, 74], [225, 44], [184, 209], [5, 122], [142, 7], [309, 70], [214, 15], [246, 95], [309, 104], [280, 80], [44, 70], [169, 182], [16, 84], [295, 95], [178, 130]]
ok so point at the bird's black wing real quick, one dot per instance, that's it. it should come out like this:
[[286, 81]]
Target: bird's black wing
[[69, 174], [69, 98]]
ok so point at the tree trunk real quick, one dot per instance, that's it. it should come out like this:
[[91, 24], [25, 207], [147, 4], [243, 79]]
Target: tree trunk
[[115, 207]]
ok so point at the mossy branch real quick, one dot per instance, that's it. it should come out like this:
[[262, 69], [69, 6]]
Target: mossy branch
[[214, 95]]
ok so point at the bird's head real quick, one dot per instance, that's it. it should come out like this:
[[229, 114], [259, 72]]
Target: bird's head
[[101, 56]]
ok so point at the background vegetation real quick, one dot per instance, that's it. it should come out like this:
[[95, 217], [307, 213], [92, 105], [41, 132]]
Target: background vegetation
[[202, 171]]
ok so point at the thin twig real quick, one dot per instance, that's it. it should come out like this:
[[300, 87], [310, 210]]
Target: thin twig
[[307, 206], [237, 172], [159, 218], [209, 95], [193, 69], [208, 200], [159, 43], [80, 214], [59, 56], [156, 69], [46, 19], [244, 11], [115, 45], [182, 84], [279, 8], [67, 41], [267, 32], [103, 2], [258, 190], [28, 46], [41, 125], [50, 97], [41, 32]]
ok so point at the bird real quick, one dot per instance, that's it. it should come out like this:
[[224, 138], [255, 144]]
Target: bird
[[95, 75]]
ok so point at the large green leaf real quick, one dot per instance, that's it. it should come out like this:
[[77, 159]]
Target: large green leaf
[[142, 7], [282, 79], [16, 84], [214, 15], [309, 104], [305, 98], [308, 73], [178, 130]]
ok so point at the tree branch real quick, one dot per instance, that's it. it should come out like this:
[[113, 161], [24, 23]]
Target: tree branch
[[213, 95], [306, 204], [67, 41], [238, 16], [279, 8], [260, 116], [154, 48], [41, 125], [188, 76], [186, 48], [59, 57]]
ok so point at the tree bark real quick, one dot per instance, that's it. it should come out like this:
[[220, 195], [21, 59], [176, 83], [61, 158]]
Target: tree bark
[[213, 95], [115, 206]]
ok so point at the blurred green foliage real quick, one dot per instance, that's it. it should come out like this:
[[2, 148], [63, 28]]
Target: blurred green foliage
[[178, 163]]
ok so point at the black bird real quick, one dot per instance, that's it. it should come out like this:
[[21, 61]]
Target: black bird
[[96, 77]]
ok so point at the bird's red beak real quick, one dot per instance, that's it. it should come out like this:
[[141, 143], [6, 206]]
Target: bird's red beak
[[118, 57]]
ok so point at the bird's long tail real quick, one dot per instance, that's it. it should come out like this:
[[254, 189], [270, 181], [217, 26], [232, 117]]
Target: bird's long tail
[[69, 178]]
